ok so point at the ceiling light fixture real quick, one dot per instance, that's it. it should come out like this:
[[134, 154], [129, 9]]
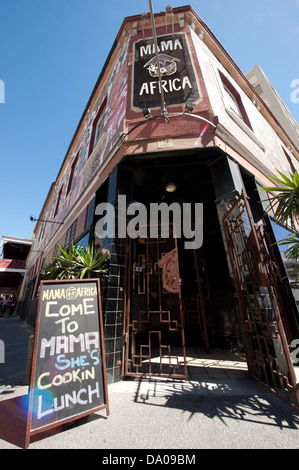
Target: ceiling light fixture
[[171, 187]]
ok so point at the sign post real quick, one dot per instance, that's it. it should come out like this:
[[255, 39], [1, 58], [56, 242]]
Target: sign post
[[68, 378]]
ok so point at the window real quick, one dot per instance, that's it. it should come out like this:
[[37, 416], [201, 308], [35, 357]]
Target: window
[[55, 252], [70, 235], [97, 127], [289, 160], [71, 178], [42, 231], [90, 213], [233, 100], [58, 201], [83, 242]]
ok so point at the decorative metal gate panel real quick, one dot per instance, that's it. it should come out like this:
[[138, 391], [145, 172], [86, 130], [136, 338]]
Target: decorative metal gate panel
[[154, 342], [261, 312]]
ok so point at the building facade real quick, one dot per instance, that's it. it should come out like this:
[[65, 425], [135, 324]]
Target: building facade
[[172, 120]]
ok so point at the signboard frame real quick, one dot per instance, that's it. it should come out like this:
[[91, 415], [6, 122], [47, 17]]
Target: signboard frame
[[105, 405]]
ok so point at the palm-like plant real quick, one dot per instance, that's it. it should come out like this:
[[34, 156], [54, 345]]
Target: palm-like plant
[[89, 264], [285, 202], [77, 263]]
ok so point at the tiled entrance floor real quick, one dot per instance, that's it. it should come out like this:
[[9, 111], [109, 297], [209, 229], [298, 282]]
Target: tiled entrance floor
[[218, 364]]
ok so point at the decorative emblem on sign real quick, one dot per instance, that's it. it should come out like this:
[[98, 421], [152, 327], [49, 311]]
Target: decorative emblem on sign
[[170, 272], [71, 293], [168, 65]]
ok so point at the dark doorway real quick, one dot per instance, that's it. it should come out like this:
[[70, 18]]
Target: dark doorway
[[209, 314]]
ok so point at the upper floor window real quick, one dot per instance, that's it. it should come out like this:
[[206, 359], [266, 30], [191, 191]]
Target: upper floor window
[[97, 127], [70, 235], [233, 100], [71, 178], [289, 160], [58, 201], [90, 213]]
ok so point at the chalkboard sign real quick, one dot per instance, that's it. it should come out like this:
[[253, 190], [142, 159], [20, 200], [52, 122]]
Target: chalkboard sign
[[68, 378]]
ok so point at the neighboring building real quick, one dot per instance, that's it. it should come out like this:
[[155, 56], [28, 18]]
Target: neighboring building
[[13, 264], [217, 144], [269, 95]]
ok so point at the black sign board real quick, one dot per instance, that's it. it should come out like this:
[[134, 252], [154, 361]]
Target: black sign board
[[68, 378], [178, 77]]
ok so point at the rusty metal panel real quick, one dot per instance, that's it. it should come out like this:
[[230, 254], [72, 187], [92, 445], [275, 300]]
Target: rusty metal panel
[[261, 307], [154, 343]]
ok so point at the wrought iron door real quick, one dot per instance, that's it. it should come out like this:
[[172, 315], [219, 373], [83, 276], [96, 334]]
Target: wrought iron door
[[153, 328], [261, 308]]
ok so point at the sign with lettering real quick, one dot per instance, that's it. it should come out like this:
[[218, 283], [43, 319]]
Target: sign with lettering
[[178, 77], [68, 377]]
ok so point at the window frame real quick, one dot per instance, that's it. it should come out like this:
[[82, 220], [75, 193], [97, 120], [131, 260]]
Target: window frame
[[58, 201], [231, 94], [71, 178], [99, 114], [70, 235]]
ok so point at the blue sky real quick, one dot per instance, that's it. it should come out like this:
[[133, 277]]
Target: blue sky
[[52, 52]]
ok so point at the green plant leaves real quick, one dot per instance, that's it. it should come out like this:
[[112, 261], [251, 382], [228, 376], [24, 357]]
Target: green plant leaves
[[285, 202], [77, 263]]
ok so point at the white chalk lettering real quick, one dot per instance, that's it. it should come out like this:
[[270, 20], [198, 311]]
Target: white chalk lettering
[[66, 344], [71, 293], [68, 399], [87, 307], [45, 381], [69, 310], [70, 327]]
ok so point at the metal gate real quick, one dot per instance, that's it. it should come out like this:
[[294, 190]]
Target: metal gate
[[261, 309], [153, 333]]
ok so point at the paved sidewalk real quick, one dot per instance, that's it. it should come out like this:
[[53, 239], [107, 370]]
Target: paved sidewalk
[[15, 334], [219, 413]]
